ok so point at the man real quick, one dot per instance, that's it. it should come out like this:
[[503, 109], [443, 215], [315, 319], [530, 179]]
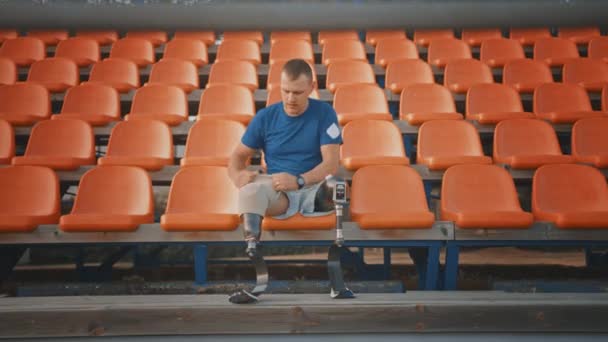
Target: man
[[300, 138]]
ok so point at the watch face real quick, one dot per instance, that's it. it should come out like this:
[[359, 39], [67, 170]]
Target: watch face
[[300, 181]]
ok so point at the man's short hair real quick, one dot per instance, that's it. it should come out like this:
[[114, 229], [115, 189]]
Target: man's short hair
[[296, 67]]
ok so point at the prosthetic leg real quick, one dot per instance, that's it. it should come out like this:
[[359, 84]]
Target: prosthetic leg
[[332, 195], [252, 224]]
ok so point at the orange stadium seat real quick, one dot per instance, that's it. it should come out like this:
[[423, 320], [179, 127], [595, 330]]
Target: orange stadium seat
[[284, 50], [23, 50], [475, 37], [227, 101], [529, 36], [492, 103], [444, 143], [59, 145], [276, 36], [81, 50], [274, 95], [562, 103], [590, 141], [497, 52], [176, 72], [144, 143], [300, 222], [325, 36], [555, 51], [598, 48], [335, 50], [24, 104], [239, 50], [425, 36], [201, 198], [403, 73], [138, 50], [525, 75], [570, 196], [371, 142], [443, 50], [96, 104], [8, 71], [389, 197], [348, 72], [579, 35], [527, 144], [111, 198], [460, 75], [481, 196], [157, 38], [161, 102], [274, 74], [192, 50], [207, 37], [7, 142], [373, 37], [57, 74], [256, 36], [7, 34], [120, 74], [233, 72], [29, 198], [419, 103], [49, 37], [211, 142], [394, 49], [591, 74], [605, 99], [360, 102], [105, 37]]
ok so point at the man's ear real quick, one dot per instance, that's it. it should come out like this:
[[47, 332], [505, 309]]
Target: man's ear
[[314, 85]]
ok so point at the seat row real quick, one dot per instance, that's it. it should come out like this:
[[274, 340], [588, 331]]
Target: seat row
[[518, 143], [120, 198]]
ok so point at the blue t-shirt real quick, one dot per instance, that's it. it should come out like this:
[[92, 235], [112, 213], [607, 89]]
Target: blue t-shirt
[[292, 144]]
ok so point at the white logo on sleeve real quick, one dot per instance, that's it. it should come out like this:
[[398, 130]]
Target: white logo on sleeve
[[333, 131]]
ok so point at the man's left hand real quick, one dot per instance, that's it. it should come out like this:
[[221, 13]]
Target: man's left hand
[[284, 182]]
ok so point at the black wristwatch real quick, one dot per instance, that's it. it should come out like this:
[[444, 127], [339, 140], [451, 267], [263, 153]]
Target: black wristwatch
[[301, 182]]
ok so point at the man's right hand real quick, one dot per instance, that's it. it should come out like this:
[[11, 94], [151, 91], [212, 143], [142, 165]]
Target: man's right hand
[[245, 177]]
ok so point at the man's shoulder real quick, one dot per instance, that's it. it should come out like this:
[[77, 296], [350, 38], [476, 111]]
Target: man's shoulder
[[321, 108]]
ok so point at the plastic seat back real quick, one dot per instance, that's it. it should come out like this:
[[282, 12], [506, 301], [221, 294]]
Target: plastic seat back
[[562, 102], [525, 75], [206, 37], [361, 101], [233, 72], [443, 50], [425, 36], [29, 197], [56, 74], [7, 142], [49, 37], [239, 50], [481, 196], [491, 103], [348, 72], [7, 34], [389, 196], [161, 102], [373, 37], [371, 142], [497, 52], [60, 145], [120, 74], [555, 51], [528, 36], [211, 142], [335, 50], [598, 48], [276, 36], [284, 50], [579, 35], [23, 50], [327, 35], [460, 75], [157, 38], [8, 71], [403, 73], [138, 50], [176, 72], [476, 37], [422, 99], [102, 37], [591, 74], [394, 49], [231, 102], [590, 142], [23, 104], [97, 104], [192, 50], [571, 196], [255, 36], [83, 51]]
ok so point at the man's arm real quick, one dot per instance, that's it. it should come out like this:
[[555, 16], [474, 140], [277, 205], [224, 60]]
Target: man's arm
[[329, 165], [237, 166]]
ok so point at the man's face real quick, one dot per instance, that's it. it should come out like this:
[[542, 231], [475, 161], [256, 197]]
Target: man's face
[[294, 93]]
